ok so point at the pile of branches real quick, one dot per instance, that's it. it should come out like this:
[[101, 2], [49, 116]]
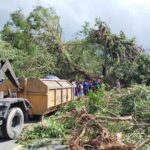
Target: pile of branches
[[105, 120], [90, 134]]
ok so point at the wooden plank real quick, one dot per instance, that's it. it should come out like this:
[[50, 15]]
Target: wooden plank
[[55, 98], [58, 96], [69, 94], [51, 98], [64, 95]]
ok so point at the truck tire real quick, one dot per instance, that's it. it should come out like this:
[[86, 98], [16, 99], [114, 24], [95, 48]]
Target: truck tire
[[13, 124]]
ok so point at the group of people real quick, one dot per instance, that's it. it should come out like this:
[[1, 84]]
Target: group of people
[[82, 88]]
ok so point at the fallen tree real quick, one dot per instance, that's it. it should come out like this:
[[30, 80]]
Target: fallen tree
[[100, 121]]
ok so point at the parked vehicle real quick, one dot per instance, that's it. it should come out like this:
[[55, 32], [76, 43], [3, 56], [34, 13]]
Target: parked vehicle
[[23, 98]]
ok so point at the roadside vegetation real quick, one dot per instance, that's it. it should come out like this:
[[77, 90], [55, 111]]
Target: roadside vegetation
[[125, 113]]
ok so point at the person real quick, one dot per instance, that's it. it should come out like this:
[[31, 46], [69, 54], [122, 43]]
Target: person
[[74, 88], [90, 85], [80, 89], [85, 87], [99, 83], [95, 85], [118, 85]]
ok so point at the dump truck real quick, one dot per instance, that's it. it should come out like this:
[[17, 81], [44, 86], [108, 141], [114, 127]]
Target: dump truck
[[25, 98]]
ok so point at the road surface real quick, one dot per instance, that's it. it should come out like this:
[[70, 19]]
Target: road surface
[[9, 145]]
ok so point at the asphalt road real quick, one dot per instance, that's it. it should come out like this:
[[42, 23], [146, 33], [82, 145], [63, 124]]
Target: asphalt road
[[9, 145]]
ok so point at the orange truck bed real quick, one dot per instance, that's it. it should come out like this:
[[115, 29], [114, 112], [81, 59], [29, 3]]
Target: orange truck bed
[[43, 94]]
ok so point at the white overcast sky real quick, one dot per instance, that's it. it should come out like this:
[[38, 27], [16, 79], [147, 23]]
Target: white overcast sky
[[131, 16]]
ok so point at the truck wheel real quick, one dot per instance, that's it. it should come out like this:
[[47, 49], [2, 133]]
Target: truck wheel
[[13, 124]]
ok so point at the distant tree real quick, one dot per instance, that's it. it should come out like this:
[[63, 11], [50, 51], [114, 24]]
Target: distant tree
[[26, 65], [41, 29], [7, 51], [38, 37]]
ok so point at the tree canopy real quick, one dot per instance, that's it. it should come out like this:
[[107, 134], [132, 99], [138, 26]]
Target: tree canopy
[[36, 38], [35, 46]]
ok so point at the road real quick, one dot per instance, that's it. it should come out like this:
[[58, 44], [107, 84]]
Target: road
[[9, 145]]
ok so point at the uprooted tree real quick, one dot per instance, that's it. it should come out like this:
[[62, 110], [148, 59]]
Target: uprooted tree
[[101, 52]]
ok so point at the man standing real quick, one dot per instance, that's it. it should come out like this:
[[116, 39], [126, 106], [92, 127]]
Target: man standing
[[85, 87], [74, 88], [118, 85]]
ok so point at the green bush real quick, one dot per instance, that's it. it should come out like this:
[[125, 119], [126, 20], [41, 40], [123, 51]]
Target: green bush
[[95, 100]]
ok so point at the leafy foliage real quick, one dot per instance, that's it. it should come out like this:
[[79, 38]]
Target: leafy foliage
[[36, 40], [38, 50], [94, 101], [7, 51], [129, 101], [114, 56], [49, 128], [27, 65], [132, 72]]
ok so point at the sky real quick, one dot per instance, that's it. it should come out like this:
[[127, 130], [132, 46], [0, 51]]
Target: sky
[[130, 16]]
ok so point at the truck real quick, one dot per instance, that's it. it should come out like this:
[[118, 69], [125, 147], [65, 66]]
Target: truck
[[24, 98]]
